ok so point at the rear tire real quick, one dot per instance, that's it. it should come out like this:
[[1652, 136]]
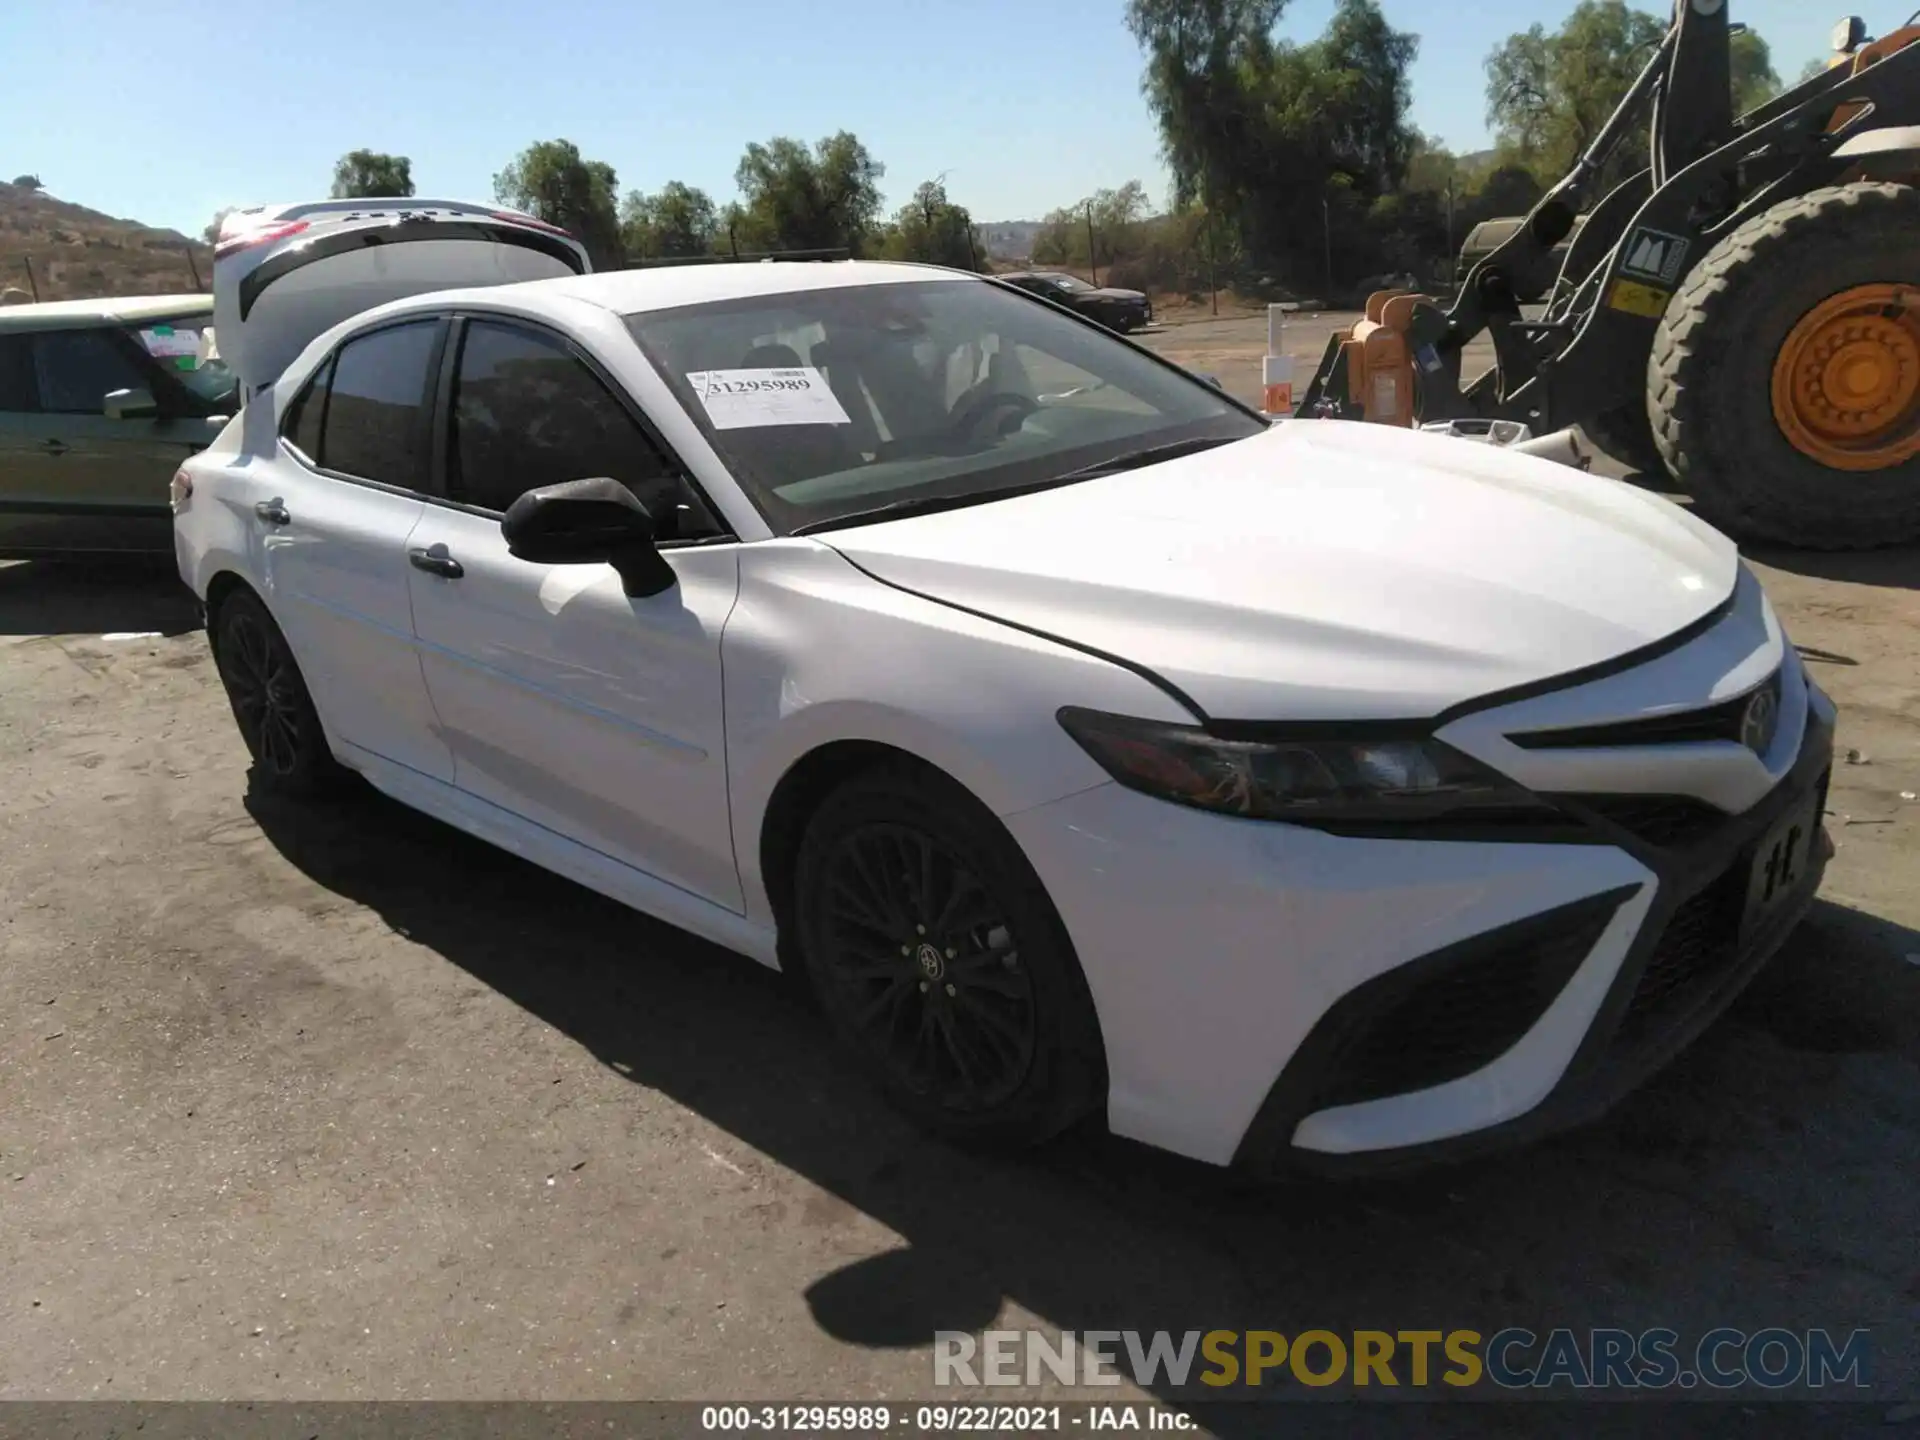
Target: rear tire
[[1711, 371], [941, 964], [269, 699]]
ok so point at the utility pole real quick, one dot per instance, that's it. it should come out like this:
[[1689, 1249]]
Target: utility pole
[[193, 269], [1448, 259], [1093, 256], [1326, 215], [32, 283]]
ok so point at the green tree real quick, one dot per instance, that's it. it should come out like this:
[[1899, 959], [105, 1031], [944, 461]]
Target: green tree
[[932, 229], [553, 182], [1270, 138], [212, 233], [675, 222], [1813, 68], [366, 174], [1754, 79], [1549, 93], [1205, 62], [1094, 232], [1366, 62], [28, 182], [793, 198]]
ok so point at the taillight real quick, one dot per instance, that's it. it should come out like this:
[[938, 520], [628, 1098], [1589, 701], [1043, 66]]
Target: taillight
[[266, 235], [515, 217], [181, 490]]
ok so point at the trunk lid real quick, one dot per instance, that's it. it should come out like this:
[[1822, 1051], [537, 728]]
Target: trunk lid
[[283, 274]]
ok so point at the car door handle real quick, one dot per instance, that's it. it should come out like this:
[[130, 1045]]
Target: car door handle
[[54, 447], [443, 565], [273, 512]]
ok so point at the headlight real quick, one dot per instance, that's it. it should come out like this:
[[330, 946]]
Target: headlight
[[1330, 782]]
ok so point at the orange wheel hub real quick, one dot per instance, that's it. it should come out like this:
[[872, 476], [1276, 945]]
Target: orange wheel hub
[[1846, 384]]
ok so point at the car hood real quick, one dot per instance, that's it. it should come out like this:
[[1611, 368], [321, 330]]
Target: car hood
[[1325, 570], [1107, 292]]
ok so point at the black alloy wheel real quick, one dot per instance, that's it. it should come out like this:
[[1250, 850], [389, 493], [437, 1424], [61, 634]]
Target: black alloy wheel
[[269, 698], [935, 984], [941, 963]]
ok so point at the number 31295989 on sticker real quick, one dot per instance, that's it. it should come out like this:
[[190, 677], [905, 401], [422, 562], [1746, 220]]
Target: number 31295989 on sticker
[[740, 399]]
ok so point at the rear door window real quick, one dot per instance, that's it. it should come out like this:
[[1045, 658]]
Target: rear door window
[[376, 413], [18, 394], [78, 369]]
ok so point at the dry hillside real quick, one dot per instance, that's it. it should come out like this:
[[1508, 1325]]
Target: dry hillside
[[77, 253]]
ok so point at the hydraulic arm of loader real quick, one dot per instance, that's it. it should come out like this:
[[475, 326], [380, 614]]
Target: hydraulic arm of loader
[[1587, 354]]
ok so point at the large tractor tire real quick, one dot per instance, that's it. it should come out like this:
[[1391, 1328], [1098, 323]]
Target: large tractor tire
[[1784, 382]]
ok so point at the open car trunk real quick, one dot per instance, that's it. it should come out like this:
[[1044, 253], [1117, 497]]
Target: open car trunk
[[285, 274]]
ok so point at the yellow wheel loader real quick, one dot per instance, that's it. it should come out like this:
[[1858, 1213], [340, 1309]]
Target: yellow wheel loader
[[1740, 319]]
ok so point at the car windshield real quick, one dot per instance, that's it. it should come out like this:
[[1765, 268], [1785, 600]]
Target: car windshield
[[183, 346], [837, 402]]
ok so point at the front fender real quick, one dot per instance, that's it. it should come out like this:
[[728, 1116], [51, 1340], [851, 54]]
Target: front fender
[[817, 652]]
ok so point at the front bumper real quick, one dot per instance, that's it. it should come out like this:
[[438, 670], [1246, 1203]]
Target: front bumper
[[1688, 960], [1241, 970]]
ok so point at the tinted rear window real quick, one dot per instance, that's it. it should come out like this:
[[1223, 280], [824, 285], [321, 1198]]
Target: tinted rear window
[[376, 414], [17, 391], [302, 424]]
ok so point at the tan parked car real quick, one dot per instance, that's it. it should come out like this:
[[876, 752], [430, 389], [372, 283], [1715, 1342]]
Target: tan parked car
[[100, 401]]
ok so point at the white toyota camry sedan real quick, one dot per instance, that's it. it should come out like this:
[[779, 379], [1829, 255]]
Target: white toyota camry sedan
[[1315, 795]]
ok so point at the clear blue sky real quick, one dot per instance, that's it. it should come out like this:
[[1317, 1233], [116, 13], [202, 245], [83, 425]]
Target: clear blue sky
[[166, 112]]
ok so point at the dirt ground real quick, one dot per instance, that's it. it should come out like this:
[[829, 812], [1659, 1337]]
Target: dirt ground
[[334, 1102]]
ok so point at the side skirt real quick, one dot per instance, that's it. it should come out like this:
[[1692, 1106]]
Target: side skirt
[[567, 858]]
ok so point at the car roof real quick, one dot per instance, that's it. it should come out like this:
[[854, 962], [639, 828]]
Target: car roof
[[667, 287], [116, 309]]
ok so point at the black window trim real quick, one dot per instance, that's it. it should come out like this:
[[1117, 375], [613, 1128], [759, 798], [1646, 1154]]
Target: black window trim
[[428, 398], [443, 427]]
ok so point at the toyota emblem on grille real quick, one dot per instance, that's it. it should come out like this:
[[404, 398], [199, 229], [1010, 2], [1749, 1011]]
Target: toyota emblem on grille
[[1757, 722]]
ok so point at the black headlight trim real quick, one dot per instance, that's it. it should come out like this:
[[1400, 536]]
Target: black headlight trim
[[1513, 814]]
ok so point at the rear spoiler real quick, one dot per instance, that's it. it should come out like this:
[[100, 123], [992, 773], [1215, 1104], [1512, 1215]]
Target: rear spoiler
[[502, 229]]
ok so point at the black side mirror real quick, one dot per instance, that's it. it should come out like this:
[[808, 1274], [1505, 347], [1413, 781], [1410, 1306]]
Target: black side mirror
[[585, 522]]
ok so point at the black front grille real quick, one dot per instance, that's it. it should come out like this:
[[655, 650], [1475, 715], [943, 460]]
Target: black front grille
[[1714, 722], [1700, 942], [1673, 822], [1456, 1010]]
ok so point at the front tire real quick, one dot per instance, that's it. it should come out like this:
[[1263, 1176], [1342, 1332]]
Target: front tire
[[941, 964], [1755, 378], [269, 698]]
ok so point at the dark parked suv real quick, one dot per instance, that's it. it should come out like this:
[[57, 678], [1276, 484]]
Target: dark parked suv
[[1121, 310]]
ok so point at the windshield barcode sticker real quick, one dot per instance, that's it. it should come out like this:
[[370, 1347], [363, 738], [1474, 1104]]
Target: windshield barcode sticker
[[737, 399]]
